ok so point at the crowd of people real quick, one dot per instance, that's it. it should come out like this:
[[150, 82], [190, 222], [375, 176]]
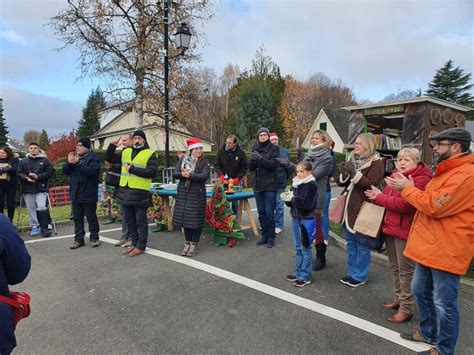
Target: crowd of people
[[427, 226]]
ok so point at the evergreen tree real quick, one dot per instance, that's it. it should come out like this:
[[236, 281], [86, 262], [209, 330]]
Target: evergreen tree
[[3, 126], [43, 140], [89, 123], [255, 100], [451, 84]]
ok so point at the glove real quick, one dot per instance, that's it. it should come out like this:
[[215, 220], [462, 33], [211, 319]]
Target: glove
[[284, 161], [287, 196], [351, 169], [255, 156]]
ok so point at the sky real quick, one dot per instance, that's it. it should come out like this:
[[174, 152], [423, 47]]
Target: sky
[[377, 47]]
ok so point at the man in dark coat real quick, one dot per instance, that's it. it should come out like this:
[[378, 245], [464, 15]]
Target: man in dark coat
[[15, 263], [83, 166], [285, 169], [264, 164], [139, 167], [231, 161], [34, 172]]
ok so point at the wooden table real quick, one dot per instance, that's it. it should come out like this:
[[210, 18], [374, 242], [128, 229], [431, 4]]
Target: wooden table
[[242, 197]]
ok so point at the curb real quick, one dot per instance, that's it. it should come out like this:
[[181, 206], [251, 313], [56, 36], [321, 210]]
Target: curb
[[381, 259]]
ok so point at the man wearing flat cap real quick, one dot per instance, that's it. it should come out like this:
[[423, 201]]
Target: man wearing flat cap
[[441, 239], [139, 167], [83, 167]]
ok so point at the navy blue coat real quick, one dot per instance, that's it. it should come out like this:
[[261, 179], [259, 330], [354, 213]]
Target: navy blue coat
[[84, 182], [284, 171], [15, 263]]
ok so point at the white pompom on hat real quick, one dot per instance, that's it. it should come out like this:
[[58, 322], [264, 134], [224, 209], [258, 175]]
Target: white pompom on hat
[[193, 143]]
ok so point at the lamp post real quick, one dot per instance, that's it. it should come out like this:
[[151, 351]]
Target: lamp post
[[183, 37]]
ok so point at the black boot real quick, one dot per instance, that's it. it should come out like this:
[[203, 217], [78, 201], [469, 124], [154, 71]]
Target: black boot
[[320, 262], [44, 221]]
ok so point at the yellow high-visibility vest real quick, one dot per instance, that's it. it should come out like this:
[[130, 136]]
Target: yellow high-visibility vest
[[140, 161]]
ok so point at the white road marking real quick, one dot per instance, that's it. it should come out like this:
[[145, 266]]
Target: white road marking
[[330, 312]]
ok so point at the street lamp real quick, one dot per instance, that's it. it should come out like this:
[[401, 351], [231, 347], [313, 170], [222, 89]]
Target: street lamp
[[183, 37]]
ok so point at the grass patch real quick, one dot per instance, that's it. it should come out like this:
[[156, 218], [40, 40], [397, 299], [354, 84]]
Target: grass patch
[[60, 213], [336, 228]]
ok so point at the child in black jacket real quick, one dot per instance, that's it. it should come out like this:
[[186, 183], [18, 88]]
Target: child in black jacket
[[302, 199]]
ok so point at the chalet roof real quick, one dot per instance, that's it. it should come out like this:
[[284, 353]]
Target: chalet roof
[[14, 146], [340, 120], [102, 132], [412, 101]]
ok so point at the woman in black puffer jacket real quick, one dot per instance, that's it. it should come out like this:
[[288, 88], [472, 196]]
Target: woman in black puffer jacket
[[192, 170], [8, 186]]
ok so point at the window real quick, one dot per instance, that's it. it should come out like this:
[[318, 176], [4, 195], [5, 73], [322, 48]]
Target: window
[[323, 126]]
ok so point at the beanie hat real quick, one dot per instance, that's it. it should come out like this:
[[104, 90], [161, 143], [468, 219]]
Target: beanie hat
[[263, 130], [193, 143], [85, 142], [139, 133], [273, 134]]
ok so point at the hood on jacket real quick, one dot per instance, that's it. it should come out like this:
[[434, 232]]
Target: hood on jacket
[[452, 163], [421, 170], [40, 155]]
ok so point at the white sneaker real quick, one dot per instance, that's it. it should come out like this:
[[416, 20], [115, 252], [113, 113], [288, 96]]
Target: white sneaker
[[278, 230]]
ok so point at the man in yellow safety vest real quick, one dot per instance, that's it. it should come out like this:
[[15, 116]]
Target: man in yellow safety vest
[[139, 166]]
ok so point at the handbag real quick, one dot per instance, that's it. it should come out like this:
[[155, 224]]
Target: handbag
[[20, 301], [4, 176], [369, 220], [336, 213]]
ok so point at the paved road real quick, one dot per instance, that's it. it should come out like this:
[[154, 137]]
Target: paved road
[[224, 301]]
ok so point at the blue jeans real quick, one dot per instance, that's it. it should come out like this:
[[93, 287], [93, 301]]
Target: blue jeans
[[279, 209], [303, 256], [325, 217], [437, 290], [358, 257], [266, 213]]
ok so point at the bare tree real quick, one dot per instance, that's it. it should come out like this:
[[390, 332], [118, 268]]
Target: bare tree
[[31, 136], [120, 41]]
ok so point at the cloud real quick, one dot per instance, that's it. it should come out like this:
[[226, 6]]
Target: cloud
[[13, 37], [24, 110], [376, 47]]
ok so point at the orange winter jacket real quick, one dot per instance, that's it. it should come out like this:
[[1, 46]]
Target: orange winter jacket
[[442, 234]]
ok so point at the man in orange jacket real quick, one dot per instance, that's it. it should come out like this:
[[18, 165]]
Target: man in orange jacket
[[441, 239]]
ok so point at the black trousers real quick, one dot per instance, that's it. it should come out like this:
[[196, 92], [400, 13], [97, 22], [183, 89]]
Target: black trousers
[[79, 210], [8, 194], [137, 224], [192, 235]]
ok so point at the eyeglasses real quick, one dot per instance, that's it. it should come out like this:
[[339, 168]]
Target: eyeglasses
[[436, 144]]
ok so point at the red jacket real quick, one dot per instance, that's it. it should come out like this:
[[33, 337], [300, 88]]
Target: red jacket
[[399, 214]]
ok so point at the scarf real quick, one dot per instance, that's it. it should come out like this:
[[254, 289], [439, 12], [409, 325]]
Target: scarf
[[315, 152], [297, 182], [363, 161]]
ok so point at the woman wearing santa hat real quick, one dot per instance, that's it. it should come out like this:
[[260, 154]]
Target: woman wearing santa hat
[[192, 170]]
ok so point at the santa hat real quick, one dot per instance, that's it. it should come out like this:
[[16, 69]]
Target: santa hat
[[193, 143], [273, 134]]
